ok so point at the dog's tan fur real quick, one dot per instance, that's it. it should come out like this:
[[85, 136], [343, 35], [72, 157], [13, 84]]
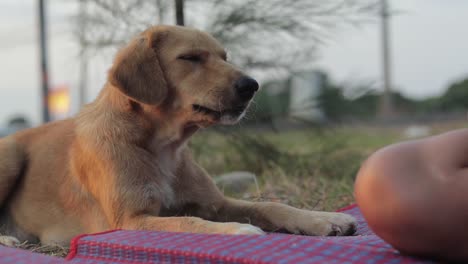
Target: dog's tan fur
[[123, 161]]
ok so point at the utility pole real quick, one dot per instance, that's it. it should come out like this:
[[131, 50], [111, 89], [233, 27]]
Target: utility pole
[[179, 9], [83, 54], [43, 61], [386, 106]]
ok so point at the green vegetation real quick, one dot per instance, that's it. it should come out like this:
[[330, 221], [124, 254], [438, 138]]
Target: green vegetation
[[455, 98], [339, 102], [313, 169], [337, 106]]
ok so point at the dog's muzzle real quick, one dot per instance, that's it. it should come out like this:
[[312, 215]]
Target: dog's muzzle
[[245, 88]]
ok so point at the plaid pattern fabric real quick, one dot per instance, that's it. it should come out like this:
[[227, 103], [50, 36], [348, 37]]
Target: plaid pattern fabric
[[163, 247]]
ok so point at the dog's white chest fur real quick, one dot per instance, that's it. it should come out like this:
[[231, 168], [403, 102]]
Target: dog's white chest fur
[[166, 161]]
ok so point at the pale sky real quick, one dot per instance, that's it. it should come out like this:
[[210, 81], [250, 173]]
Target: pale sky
[[429, 43]]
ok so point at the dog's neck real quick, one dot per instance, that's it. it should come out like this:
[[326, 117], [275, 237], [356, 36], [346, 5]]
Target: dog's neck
[[159, 126]]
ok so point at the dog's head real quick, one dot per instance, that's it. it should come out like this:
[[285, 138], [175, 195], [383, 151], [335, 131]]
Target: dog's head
[[184, 70]]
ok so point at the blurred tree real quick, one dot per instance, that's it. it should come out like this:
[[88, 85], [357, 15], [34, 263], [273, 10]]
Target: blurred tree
[[362, 103], [365, 106], [278, 34], [455, 98], [19, 120], [14, 124], [332, 101], [260, 35]]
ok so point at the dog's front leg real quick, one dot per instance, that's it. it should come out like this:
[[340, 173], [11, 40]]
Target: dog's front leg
[[187, 224], [282, 218]]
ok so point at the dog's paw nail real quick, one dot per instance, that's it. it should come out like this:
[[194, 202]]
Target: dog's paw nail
[[336, 231]]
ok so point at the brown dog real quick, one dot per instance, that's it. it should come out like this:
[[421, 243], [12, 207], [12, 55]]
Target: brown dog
[[123, 162]]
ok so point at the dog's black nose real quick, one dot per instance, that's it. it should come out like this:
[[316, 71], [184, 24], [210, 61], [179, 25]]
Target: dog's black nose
[[246, 87]]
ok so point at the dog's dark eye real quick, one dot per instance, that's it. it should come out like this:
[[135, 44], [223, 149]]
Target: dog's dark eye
[[191, 57]]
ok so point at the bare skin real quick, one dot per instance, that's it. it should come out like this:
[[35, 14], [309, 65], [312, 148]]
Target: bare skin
[[415, 195]]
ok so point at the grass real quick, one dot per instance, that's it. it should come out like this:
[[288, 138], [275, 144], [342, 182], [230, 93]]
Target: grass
[[311, 169], [51, 250]]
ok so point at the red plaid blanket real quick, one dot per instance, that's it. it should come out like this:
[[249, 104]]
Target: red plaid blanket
[[161, 247]]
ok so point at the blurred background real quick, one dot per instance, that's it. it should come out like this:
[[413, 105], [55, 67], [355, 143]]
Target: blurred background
[[340, 78]]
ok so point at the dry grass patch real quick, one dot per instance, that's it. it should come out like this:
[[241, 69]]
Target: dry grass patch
[[55, 251]]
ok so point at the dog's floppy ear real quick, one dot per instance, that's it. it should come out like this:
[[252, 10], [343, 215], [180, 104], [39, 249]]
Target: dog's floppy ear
[[137, 71]]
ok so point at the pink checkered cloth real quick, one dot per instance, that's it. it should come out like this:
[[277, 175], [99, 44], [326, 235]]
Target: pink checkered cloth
[[162, 247]]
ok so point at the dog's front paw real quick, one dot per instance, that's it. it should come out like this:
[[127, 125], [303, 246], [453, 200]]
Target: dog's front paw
[[239, 229], [321, 224], [9, 241], [338, 224]]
